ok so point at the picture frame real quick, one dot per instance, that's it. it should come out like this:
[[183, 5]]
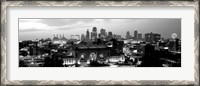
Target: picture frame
[[5, 4]]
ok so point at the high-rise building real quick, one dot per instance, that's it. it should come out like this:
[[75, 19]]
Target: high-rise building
[[110, 33], [139, 36], [152, 37], [135, 35], [103, 34], [87, 36], [99, 35], [110, 36], [94, 34], [83, 37], [128, 36], [114, 36], [118, 37]]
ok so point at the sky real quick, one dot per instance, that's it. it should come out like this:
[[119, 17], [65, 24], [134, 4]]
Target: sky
[[32, 29]]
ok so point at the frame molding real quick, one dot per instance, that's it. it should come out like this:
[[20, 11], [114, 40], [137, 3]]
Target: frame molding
[[4, 5]]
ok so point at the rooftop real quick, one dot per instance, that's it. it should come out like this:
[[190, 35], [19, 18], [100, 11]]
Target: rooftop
[[90, 46]]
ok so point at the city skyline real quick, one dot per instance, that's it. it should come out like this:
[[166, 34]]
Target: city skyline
[[31, 29]]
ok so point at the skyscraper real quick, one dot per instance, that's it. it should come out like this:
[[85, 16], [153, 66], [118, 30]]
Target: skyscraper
[[110, 33], [82, 37], [128, 36], [94, 34], [87, 36], [103, 34], [139, 36], [118, 37], [152, 37], [99, 35], [135, 35], [110, 36]]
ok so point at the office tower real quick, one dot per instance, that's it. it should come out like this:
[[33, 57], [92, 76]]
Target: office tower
[[139, 36], [110, 36], [128, 36], [152, 37], [82, 37], [118, 37], [94, 34], [87, 36], [135, 35]]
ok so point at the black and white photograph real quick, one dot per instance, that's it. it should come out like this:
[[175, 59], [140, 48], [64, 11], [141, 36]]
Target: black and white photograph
[[99, 42]]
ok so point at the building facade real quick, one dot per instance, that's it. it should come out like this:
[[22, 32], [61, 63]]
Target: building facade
[[152, 37], [87, 36], [94, 34], [103, 34], [92, 53], [139, 36], [110, 36], [128, 36], [59, 40], [83, 38], [135, 35]]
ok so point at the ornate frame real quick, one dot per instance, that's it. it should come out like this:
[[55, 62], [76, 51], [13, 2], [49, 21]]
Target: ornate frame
[[4, 4]]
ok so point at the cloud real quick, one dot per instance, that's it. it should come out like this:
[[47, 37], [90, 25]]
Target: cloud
[[64, 22], [31, 25], [52, 24], [117, 26], [31, 30], [29, 20]]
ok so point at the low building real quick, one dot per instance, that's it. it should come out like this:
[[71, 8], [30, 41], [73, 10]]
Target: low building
[[116, 59], [30, 61], [68, 61], [63, 59]]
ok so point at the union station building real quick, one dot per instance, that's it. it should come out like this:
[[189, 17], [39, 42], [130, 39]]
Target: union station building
[[92, 53]]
